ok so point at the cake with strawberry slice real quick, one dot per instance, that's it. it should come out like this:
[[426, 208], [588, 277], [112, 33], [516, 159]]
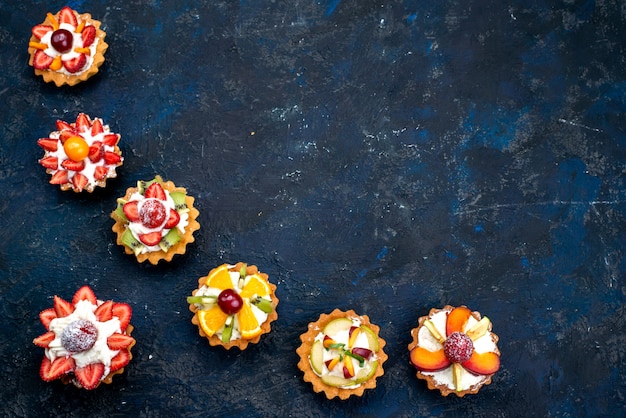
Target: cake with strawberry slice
[[81, 155], [454, 350], [155, 220], [342, 354], [67, 48], [87, 341]]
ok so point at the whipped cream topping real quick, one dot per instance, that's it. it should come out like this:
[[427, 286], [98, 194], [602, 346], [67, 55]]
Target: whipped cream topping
[[77, 42]]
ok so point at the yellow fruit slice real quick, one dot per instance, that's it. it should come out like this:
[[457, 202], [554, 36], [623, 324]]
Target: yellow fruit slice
[[256, 285], [212, 320], [220, 278], [248, 325]]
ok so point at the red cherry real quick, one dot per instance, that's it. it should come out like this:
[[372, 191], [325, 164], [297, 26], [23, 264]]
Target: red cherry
[[152, 213], [62, 40], [229, 301]]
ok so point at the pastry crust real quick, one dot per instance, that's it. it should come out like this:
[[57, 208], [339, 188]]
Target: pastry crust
[[314, 328], [180, 247], [430, 379], [240, 343], [61, 79]]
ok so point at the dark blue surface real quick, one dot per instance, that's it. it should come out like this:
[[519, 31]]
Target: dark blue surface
[[386, 157]]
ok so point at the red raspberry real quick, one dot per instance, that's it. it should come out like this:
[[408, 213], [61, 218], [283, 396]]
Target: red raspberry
[[458, 347]]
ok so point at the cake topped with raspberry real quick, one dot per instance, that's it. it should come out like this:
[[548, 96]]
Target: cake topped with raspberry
[[87, 340], [67, 48], [81, 155]]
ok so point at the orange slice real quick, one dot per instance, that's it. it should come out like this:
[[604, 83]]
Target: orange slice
[[220, 278], [212, 320], [256, 285], [248, 325]]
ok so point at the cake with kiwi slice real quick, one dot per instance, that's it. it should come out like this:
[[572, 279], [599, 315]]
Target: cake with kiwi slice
[[155, 220], [342, 354]]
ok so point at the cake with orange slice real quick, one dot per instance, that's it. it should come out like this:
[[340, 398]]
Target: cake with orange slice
[[67, 48], [87, 341], [454, 350], [155, 220], [234, 305], [81, 155], [342, 354]]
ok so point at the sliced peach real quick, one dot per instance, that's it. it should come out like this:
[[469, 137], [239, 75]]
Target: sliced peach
[[330, 364], [348, 367], [429, 361], [328, 341], [482, 363], [353, 334], [457, 318]]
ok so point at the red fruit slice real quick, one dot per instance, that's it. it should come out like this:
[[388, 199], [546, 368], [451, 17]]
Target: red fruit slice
[[75, 64], [156, 191], [131, 211], [62, 307], [173, 220], [48, 144], [97, 127], [119, 341], [120, 360], [111, 139], [457, 318], [151, 239], [46, 316], [327, 342], [124, 312], [100, 172], [51, 370], [66, 15], [73, 165], [89, 35], [84, 293], [40, 30], [111, 158], [104, 312], [60, 177], [50, 162], [89, 376], [44, 340], [64, 126], [41, 61], [429, 361], [482, 363], [79, 181], [82, 123], [96, 151]]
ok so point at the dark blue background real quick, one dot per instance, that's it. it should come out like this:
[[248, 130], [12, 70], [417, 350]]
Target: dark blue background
[[386, 157]]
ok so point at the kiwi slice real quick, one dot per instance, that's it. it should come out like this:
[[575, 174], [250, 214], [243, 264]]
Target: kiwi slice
[[143, 185], [179, 200], [119, 211], [131, 242], [170, 239]]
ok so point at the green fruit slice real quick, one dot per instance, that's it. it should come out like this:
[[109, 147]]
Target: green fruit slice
[[372, 339], [170, 239], [366, 372], [119, 210], [143, 185], [337, 381], [337, 326], [131, 242], [179, 200], [317, 357]]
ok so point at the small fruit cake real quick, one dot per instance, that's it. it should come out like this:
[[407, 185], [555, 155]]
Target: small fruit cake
[[67, 48], [454, 350], [342, 354], [233, 305], [81, 155], [87, 341], [155, 220]]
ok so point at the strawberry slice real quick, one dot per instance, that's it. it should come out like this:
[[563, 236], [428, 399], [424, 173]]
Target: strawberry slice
[[100, 172], [173, 220], [111, 158], [79, 181], [84, 293], [104, 312], [82, 123], [46, 316], [48, 144], [89, 35], [64, 126], [89, 376], [50, 162], [62, 307], [67, 15], [124, 312], [155, 191], [120, 360], [131, 211], [119, 341], [111, 139], [40, 30], [73, 165], [41, 61], [96, 151], [51, 370], [75, 64], [150, 239], [44, 340], [60, 177], [97, 127]]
